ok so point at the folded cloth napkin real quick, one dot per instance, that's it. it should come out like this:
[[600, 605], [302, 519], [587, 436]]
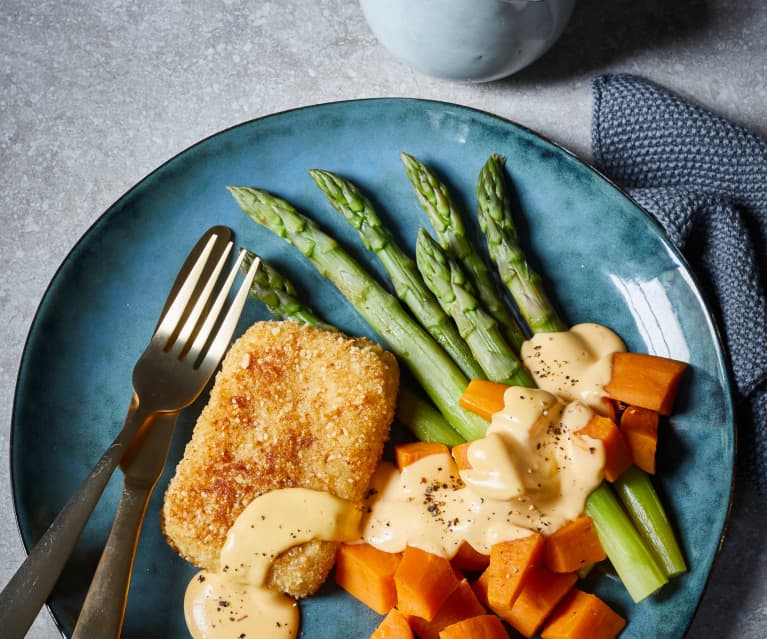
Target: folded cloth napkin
[[705, 180]]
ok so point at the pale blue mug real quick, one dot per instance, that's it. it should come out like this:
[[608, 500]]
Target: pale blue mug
[[467, 40]]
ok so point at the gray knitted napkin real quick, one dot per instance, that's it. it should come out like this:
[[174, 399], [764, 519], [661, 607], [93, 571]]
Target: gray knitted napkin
[[705, 180]]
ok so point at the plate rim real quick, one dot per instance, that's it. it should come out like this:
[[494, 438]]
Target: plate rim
[[722, 355]]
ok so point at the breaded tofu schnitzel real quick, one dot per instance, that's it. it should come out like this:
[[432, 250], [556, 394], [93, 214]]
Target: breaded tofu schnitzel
[[293, 406]]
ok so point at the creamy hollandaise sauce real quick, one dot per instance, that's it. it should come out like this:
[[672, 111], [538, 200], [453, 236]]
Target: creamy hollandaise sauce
[[531, 472], [574, 364], [235, 602]]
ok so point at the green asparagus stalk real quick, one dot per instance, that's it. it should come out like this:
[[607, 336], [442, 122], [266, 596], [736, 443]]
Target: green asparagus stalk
[[646, 511], [448, 226], [480, 330], [348, 200], [496, 223], [630, 557], [279, 295], [423, 420], [433, 368]]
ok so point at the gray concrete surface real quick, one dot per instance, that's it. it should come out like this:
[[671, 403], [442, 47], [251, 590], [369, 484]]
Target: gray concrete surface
[[96, 93]]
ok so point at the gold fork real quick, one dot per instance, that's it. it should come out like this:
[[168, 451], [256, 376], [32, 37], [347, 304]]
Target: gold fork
[[103, 611], [185, 349]]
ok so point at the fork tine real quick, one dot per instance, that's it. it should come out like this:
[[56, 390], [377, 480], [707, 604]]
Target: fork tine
[[175, 311], [213, 314], [203, 299], [226, 329]]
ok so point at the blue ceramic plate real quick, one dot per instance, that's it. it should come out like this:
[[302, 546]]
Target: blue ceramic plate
[[603, 258]]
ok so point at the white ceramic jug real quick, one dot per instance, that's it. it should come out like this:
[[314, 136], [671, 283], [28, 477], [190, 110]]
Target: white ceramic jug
[[467, 40]]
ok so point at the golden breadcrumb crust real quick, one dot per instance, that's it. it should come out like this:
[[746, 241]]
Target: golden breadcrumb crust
[[293, 406]]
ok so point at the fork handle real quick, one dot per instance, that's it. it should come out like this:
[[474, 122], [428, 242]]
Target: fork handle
[[26, 592], [102, 613], [101, 616]]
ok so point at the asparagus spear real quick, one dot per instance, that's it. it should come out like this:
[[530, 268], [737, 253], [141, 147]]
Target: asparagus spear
[[448, 225], [348, 200], [279, 296], [423, 420], [440, 377], [496, 223], [631, 559], [480, 330], [635, 489], [646, 511]]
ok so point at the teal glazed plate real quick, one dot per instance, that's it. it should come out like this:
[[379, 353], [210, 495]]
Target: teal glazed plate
[[603, 259]]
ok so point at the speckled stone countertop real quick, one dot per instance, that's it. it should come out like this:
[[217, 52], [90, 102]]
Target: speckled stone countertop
[[94, 95]]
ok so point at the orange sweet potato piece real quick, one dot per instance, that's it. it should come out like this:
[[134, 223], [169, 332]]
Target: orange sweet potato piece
[[461, 455], [424, 581], [483, 397], [467, 558], [583, 616], [573, 546], [608, 407], [640, 429], [479, 586], [542, 591], [480, 627], [457, 572], [617, 455], [508, 568], [461, 604], [393, 626], [409, 453], [645, 380], [368, 574]]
